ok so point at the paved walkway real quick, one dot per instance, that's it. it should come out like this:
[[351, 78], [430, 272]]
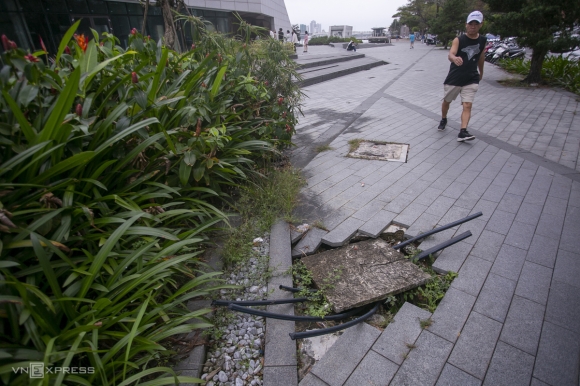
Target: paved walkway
[[513, 315]]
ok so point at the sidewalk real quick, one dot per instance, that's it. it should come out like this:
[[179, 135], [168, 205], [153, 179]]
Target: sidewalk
[[513, 314]]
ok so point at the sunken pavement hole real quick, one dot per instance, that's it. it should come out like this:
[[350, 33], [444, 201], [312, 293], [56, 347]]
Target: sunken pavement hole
[[379, 150]]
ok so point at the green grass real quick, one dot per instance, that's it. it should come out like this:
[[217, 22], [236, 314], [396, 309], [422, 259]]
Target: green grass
[[261, 202], [354, 144], [321, 148]]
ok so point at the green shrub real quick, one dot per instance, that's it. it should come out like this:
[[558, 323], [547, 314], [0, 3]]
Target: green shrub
[[111, 163], [555, 70], [319, 41]]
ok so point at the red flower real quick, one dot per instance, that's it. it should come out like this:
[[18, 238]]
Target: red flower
[[82, 42], [5, 43], [280, 100], [134, 31], [67, 50], [193, 46], [203, 85], [79, 110], [42, 44], [134, 77], [31, 58]]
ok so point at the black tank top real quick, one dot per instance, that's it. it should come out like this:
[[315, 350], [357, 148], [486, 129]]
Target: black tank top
[[469, 50]]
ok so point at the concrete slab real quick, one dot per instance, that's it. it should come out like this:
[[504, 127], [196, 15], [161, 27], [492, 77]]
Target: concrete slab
[[451, 314], [363, 273], [558, 356], [342, 233], [374, 369], [452, 376], [509, 366], [309, 243]]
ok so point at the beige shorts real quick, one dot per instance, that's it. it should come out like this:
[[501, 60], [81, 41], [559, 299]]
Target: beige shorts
[[467, 92]]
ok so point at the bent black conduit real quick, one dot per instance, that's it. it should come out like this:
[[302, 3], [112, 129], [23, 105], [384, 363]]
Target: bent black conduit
[[293, 290], [225, 303], [437, 230], [443, 245], [324, 331], [294, 318]]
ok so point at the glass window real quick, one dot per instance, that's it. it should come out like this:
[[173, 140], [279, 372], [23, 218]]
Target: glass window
[[37, 29], [117, 8], [12, 26], [7, 5], [58, 24], [155, 27], [136, 22], [30, 5], [55, 6], [121, 29], [97, 6], [137, 9], [222, 25], [78, 6], [154, 11]]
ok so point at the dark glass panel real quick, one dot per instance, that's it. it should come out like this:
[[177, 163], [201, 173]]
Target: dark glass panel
[[136, 9], [39, 28], [58, 24], [154, 11], [30, 5], [136, 22], [155, 27], [13, 27], [78, 6], [97, 6], [7, 5], [101, 24], [121, 29], [116, 8], [84, 27], [55, 6]]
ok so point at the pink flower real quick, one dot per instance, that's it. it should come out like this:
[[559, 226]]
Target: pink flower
[[79, 110], [31, 58], [134, 77]]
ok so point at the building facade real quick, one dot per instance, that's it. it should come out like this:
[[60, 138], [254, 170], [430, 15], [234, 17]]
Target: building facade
[[342, 31], [26, 21]]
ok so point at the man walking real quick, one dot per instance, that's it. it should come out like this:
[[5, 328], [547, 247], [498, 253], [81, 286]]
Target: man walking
[[467, 57], [412, 39]]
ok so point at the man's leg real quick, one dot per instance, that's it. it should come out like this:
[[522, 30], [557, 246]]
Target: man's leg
[[466, 114], [444, 109]]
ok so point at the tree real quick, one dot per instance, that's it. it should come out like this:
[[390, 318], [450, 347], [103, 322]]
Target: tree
[[296, 28], [534, 23], [450, 21], [416, 13], [395, 27]]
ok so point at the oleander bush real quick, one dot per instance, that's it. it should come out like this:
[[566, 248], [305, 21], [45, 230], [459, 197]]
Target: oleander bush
[[556, 70], [113, 165]]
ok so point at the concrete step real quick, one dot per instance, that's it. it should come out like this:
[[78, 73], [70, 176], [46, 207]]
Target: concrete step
[[330, 71], [309, 61]]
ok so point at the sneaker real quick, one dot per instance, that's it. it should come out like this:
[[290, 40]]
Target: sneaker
[[442, 124], [464, 136]]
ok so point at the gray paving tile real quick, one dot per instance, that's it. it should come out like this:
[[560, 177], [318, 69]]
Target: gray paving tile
[[472, 275], [437, 238], [509, 366], [279, 348], [534, 282], [335, 217], [403, 330], [523, 325], [509, 262], [564, 306], [488, 245], [425, 361], [567, 269], [486, 208], [529, 213], [374, 369], [279, 246], [452, 376], [377, 224], [494, 193], [495, 297], [311, 380], [369, 210], [474, 348], [558, 356], [410, 214], [309, 243], [550, 225], [424, 223], [510, 203], [556, 206], [455, 190], [342, 233], [537, 382], [440, 206], [520, 235], [354, 345], [451, 314], [475, 226], [543, 251], [280, 375], [451, 258], [400, 203], [500, 222]]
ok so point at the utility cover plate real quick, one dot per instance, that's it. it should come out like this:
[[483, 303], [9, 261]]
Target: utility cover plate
[[382, 151], [363, 273]]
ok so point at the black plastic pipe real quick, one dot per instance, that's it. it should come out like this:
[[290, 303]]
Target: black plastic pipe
[[437, 230], [324, 331], [443, 245], [225, 303], [293, 290], [295, 318]]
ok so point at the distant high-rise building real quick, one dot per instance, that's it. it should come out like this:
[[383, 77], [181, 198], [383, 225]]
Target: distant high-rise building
[[303, 28], [313, 27], [318, 28]]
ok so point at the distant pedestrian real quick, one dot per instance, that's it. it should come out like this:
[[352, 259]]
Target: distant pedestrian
[[288, 36], [281, 35], [305, 42], [294, 39], [412, 39], [272, 34], [467, 56], [351, 46]]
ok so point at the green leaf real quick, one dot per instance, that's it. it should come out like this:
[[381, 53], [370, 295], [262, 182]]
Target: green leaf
[[184, 172], [25, 126], [125, 132], [158, 72], [217, 82], [99, 67], [66, 39], [61, 108], [133, 332], [20, 158], [89, 61], [198, 172], [69, 163]]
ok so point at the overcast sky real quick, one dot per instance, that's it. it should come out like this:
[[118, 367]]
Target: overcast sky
[[362, 15]]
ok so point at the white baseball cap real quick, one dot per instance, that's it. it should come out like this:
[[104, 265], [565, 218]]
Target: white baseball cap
[[475, 16]]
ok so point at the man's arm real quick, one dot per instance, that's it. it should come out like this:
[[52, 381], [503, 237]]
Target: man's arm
[[453, 52], [480, 63]]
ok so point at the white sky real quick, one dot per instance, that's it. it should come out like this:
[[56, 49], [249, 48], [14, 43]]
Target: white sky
[[362, 15]]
